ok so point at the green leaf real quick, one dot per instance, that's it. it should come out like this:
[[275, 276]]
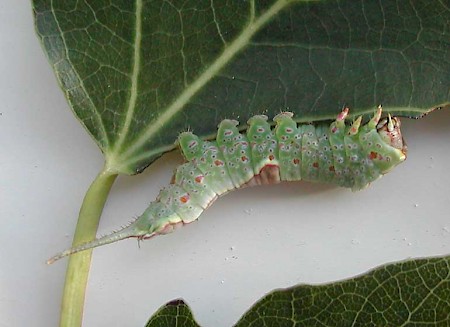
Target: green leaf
[[414, 292], [136, 73], [174, 313], [410, 292]]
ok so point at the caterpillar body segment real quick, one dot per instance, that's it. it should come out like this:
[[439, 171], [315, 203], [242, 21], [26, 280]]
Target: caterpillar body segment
[[193, 181], [310, 153], [351, 156], [175, 198], [263, 143], [325, 155], [289, 147], [208, 158], [236, 150], [342, 176]]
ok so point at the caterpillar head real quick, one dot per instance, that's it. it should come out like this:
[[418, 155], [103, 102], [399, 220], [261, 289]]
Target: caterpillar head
[[389, 130]]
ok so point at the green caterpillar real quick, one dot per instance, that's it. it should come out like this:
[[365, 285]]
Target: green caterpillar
[[349, 156]]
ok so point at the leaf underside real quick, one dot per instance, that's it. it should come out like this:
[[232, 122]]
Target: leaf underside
[[413, 293], [136, 73]]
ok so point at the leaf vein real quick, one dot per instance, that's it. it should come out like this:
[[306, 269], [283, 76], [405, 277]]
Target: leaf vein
[[134, 77], [229, 52], [80, 81], [217, 23]]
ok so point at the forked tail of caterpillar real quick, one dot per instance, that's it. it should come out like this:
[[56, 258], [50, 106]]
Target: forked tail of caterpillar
[[350, 156]]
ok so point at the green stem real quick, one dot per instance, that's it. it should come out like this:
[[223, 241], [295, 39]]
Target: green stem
[[78, 269]]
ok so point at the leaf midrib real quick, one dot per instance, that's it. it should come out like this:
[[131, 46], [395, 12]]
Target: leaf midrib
[[117, 159], [134, 77]]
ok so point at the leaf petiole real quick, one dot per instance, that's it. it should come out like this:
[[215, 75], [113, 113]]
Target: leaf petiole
[[78, 269]]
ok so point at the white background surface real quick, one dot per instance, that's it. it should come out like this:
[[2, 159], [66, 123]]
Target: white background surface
[[245, 245]]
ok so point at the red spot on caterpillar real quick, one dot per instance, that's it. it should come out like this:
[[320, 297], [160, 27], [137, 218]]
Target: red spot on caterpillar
[[373, 155], [228, 133], [271, 157], [199, 178], [244, 158], [334, 130], [316, 165], [192, 144], [218, 163], [296, 161], [331, 168], [184, 198]]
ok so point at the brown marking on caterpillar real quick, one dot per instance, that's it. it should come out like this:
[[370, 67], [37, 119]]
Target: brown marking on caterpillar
[[184, 198], [269, 174]]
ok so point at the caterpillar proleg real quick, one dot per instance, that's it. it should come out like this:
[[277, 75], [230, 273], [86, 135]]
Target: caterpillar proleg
[[350, 156]]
